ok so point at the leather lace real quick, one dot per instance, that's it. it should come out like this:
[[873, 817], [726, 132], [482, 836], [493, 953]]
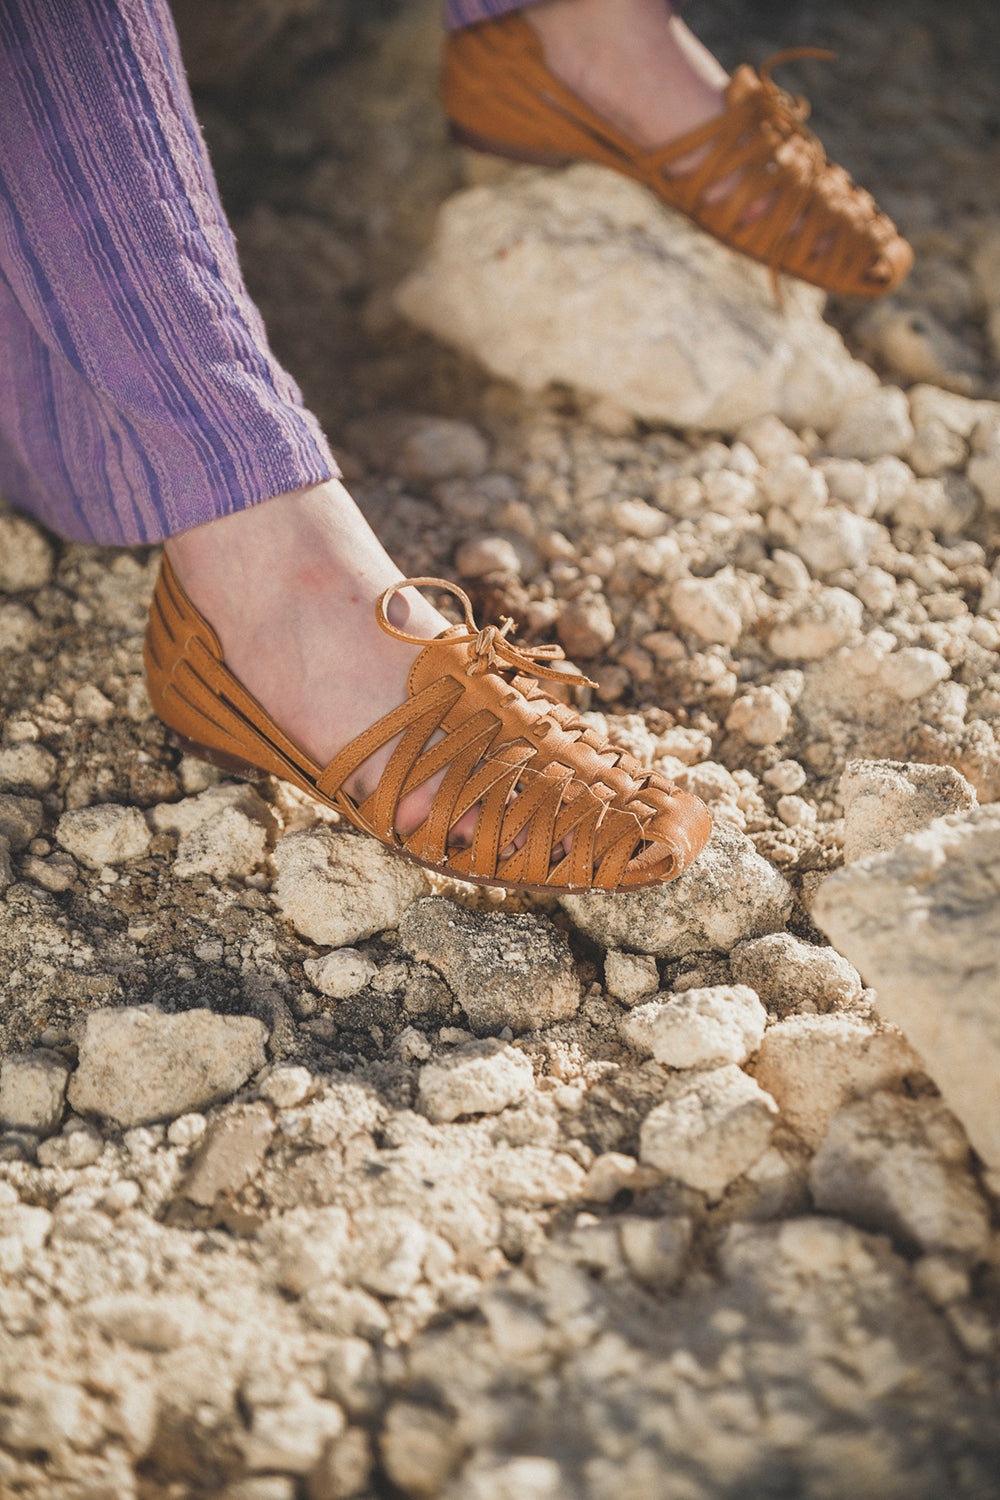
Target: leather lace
[[491, 649]]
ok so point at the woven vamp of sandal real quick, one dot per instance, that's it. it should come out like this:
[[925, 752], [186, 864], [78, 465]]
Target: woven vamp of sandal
[[773, 148]]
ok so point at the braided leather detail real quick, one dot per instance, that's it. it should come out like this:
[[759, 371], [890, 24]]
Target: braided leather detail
[[538, 778], [755, 177]]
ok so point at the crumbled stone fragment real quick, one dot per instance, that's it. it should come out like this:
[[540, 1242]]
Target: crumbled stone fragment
[[286, 1086], [811, 1065], [27, 765], [20, 819], [902, 1165], [729, 893], [336, 888], [790, 975], [341, 973], [938, 887], [226, 845], [698, 1028], [232, 1153], [761, 716], [630, 977], [105, 834], [884, 800], [709, 1128], [33, 1091], [870, 425], [504, 969], [481, 1078], [138, 1064], [25, 555]]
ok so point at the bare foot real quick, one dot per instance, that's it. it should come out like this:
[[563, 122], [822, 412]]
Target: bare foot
[[289, 586]]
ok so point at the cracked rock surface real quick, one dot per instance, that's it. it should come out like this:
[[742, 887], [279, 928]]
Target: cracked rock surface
[[321, 1179]]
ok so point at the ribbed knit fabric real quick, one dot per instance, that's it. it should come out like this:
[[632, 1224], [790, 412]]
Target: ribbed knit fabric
[[459, 13], [138, 394]]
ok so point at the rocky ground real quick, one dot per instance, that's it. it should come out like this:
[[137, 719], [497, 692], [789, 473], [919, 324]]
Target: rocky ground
[[319, 1180]]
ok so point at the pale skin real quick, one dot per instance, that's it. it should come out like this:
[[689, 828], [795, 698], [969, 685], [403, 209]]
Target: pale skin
[[290, 585]]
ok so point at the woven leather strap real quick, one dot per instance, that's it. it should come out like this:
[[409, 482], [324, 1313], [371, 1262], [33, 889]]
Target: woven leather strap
[[754, 176]]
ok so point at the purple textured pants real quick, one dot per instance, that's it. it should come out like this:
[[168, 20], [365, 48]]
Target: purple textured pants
[[138, 395]]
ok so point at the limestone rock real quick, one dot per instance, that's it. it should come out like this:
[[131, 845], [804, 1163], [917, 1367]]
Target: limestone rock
[[902, 1165], [435, 448], [709, 1128], [138, 1064], [884, 800], [105, 834], [20, 819], [791, 975], [27, 765], [341, 973], [227, 845], [811, 1065], [183, 817], [481, 1078], [336, 888], [504, 969], [871, 424], [630, 977], [922, 924], [583, 278], [232, 1153], [729, 893], [25, 555], [810, 630], [699, 1028], [33, 1091]]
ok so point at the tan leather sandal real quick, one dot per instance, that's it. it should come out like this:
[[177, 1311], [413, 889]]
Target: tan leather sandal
[[557, 807], [760, 182]]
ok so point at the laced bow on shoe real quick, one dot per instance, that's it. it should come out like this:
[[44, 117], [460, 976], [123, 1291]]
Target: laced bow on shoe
[[490, 646]]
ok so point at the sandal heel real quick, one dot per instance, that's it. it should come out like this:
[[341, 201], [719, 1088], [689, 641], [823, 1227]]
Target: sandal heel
[[219, 758]]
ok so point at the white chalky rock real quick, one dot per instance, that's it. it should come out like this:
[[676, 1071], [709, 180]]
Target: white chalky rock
[[811, 1065], [341, 973], [290, 1437], [912, 671], [20, 819], [585, 626], [481, 1078], [700, 1028], [583, 278], [286, 1086], [629, 977], [524, 1478], [922, 924], [710, 1127], [183, 817], [884, 800], [25, 555], [902, 1165], [336, 888], [761, 716], [228, 844], [23, 1229], [104, 835], [729, 893], [790, 975], [419, 1448], [504, 969], [983, 468], [836, 539], [824, 620], [33, 1091], [28, 765], [486, 554], [138, 1064], [387, 1250], [872, 424], [435, 448], [710, 608]]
